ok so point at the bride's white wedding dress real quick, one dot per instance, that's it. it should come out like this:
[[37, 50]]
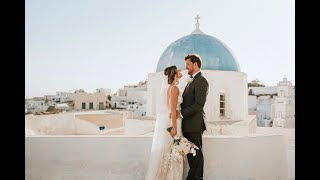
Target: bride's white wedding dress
[[162, 141]]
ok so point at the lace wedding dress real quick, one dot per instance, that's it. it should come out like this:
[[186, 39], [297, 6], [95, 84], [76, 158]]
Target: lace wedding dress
[[159, 169]]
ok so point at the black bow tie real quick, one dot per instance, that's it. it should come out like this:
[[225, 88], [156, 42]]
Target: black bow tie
[[191, 76]]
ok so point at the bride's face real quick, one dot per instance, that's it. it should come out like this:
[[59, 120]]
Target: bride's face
[[178, 75]]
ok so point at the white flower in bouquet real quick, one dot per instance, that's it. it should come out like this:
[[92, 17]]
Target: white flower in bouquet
[[185, 145], [180, 147]]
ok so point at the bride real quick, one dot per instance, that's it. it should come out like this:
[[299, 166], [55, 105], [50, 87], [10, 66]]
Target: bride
[[161, 168]]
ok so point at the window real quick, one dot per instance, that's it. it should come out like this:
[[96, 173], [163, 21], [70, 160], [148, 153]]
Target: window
[[91, 105], [83, 105], [222, 105], [281, 93], [101, 106]]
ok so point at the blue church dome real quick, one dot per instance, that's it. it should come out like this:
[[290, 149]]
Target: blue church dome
[[215, 55]]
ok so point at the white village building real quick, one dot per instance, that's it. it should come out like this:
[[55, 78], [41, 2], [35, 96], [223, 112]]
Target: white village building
[[283, 109], [274, 106], [91, 101], [132, 97]]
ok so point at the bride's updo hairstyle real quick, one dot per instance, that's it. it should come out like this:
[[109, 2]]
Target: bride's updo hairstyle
[[170, 72]]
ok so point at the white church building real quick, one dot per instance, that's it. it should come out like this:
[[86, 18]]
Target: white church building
[[227, 99]]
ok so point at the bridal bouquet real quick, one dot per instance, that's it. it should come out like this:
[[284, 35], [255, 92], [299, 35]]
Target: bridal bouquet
[[180, 147]]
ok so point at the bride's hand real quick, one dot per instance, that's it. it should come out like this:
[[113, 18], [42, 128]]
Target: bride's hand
[[173, 132], [178, 114]]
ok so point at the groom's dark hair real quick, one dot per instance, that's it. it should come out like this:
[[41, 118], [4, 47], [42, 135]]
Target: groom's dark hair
[[194, 58]]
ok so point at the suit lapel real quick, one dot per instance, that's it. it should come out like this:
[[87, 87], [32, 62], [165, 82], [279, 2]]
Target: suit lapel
[[187, 87]]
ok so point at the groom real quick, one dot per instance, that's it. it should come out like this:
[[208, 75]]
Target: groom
[[192, 114]]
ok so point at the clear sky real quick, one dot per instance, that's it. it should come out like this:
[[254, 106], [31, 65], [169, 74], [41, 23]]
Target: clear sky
[[89, 44]]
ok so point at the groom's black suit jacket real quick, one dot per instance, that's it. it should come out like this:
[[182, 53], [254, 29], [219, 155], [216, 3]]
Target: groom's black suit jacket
[[194, 99]]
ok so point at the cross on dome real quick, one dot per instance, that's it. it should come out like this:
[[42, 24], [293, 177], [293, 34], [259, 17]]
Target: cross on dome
[[197, 30]]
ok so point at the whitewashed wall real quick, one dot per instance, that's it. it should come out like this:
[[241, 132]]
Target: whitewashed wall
[[291, 161], [263, 90], [136, 127], [123, 158], [252, 102], [137, 96], [289, 133], [264, 107], [72, 123], [51, 124]]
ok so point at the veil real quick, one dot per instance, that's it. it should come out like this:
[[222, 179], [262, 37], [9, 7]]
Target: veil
[[160, 140], [162, 114]]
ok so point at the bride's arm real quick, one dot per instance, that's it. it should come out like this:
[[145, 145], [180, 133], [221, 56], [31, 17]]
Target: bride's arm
[[173, 107]]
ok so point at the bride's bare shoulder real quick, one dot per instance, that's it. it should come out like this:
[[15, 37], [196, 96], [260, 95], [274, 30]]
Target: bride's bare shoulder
[[174, 90]]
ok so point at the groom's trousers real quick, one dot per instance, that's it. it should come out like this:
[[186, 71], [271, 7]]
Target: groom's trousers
[[195, 162]]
